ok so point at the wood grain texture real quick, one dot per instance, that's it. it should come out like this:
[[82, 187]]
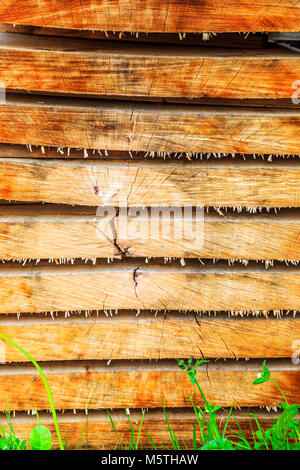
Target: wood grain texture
[[149, 337], [41, 232], [102, 68], [63, 122], [127, 286], [142, 387], [138, 184], [155, 15], [96, 431]]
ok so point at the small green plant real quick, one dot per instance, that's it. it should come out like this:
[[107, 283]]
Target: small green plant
[[8, 439], [285, 432], [134, 441], [42, 375], [211, 437], [207, 434]]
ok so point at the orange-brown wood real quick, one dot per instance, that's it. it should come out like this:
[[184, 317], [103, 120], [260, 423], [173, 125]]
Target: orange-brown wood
[[150, 183], [42, 231], [65, 122], [128, 286], [155, 15], [149, 337], [102, 68], [142, 387]]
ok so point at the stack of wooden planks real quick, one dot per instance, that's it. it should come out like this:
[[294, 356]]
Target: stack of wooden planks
[[117, 115]]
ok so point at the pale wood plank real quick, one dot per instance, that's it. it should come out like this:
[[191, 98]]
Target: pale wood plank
[[41, 232], [102, 68], [127, 286], [142, 387], [146, 337], [149, 183], [125, 126], [155, 15]]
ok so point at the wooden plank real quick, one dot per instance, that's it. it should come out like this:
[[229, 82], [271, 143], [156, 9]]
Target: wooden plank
[[43, 232], [149, 337], [150, 183], [155, 16], [142, 387], [128, 286], [63, 65], [95, 430], [125, 126]]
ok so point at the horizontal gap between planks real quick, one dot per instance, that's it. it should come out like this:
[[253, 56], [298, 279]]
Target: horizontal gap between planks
[[45, 152], [84, 103], [252, 40], [192, 266], [224, 102], [37, 212], [69, 416], [75, 46], [135, 365], [59, 318], [152, 163]]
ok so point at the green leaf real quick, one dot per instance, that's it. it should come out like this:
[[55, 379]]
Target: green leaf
[[266, 372], [218, 444], [40, 438], [260, 380], [282, 405], [264, 376]]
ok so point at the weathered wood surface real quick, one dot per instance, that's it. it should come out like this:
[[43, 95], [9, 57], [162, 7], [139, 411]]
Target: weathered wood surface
[[63, 122], [128, 286], [41, 232], [149, 183], [96, 432], [142, 387], [155, 15], [147, 337], [101, 68]]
